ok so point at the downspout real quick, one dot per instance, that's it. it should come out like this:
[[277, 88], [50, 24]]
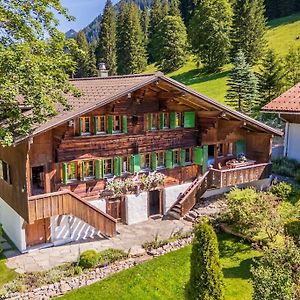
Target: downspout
[[286, 137]]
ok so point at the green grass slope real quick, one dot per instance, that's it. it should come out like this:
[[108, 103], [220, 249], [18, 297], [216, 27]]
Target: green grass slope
[[282, 34]]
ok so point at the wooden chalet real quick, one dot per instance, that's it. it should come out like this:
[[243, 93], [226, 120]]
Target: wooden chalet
[[53, 181]]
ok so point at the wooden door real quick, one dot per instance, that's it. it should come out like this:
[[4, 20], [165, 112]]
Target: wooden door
[[115, 208], [38, 233], [154, 203]]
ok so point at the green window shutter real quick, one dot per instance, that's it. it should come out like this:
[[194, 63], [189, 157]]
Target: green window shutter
[[149, 121], [169, 159], [99, 168], [205, 158], [153, 161], [161, 120], [198, 156], [117, 166], [65, 173], [189, 119], [240, 146], [173, 119], [182, 157], [124, 120], [95, 125], [136, 163], [80, 126], [110, 124]]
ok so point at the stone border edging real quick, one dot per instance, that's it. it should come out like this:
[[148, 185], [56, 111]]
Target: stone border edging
[[72, 283]]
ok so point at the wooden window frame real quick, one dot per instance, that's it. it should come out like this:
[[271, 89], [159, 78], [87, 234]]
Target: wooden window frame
[[154, 121], [125, 161], [144, 160], [190, 155], [178, 119], [93, 171], [83, 126], [115, 122], [105, 172], [176, 157], [165, 116], [99, 118], [160, 166], [68, 171]]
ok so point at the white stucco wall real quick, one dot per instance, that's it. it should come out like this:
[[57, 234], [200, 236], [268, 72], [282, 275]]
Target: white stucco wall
[[136, 208], [12, 224], [100, 204], [292, 144], [67, 228], [171, 195]]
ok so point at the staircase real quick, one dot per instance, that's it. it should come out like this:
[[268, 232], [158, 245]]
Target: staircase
[[187, 200]]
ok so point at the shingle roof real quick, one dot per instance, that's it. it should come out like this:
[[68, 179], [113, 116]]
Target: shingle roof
[[287, 102], [97, 92]]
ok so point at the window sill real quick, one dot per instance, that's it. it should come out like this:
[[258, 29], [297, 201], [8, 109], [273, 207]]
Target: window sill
[[86, 134]]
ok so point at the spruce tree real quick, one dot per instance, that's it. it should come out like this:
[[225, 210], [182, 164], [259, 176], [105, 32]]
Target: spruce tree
[[187, 8], [249, 28], [174, 8], [170, 44], [206, 278], [269, 78], [165, 8], [84, 58], [145, 22], [242, 93], [107, 49], [130, 40], [209, 33], [292, 67]]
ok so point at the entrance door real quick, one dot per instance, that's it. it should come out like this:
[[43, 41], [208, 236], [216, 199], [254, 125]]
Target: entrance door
[[37, 179], [38, 233], [154, 203], [115, 208]]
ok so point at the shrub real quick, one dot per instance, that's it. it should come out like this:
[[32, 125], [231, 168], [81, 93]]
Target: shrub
[[285, 166], [206, 278], [88, 259], [297, 175], [110, 255], [155, 243], [292, 229], [282, 190]]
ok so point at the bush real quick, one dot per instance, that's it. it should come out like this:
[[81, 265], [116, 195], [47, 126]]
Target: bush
[[88, 259], [282, 190], [285, 166], [110, 256], [206, 279], [292, 229]]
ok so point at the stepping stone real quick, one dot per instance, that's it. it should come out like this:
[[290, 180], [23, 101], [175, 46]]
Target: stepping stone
[[11, 253], [6, 246]]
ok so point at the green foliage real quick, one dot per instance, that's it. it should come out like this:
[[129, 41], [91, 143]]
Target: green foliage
[[292, 67], [209, 31], [206, 279], [242, 93], [174, 8], [88, 259], [107, 44], [249, 28], [270, 78], [277, 273], [110, 256], [165, 8], [285, 166], [282, 190], [131, 54], [170, 44], [292, 229]]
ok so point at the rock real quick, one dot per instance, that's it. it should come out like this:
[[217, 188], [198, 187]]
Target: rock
[[65, 287], [137, 251]]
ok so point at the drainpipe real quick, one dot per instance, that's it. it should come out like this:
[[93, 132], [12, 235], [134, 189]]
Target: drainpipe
[[286, 137]]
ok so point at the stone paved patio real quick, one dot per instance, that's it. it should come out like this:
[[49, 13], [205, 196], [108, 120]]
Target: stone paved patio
[[128, 236]]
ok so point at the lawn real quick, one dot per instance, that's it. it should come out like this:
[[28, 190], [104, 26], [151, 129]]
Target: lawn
[[6, 274], [281, 35], [166, 277]]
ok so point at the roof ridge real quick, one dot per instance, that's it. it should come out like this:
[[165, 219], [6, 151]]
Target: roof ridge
[[118, 76]]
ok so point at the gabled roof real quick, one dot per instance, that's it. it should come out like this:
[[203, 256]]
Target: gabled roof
[[98, 92], [287, 102]]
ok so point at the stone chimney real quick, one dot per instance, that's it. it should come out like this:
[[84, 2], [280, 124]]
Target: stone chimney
[[102, 70]]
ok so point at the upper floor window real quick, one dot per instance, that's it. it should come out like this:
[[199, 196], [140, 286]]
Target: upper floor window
[[178, 119], [5, 171], [88, 169], [117, 124], [100, 124], [164, 120], [85, 125]]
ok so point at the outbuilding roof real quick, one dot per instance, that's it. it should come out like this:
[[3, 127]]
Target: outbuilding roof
[[287, 102]]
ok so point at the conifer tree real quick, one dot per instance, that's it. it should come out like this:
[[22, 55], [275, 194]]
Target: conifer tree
[[209, 33], [206, 279], [242, 93], [165, 8], [85, 58], [145, 22], [292, 67], [130, 41], [174, 8], [170, 44], [106, 50], [269, 78], [187, 8], [249, 28]]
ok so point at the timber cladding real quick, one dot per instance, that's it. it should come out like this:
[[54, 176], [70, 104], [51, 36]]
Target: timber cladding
[[15, 194]]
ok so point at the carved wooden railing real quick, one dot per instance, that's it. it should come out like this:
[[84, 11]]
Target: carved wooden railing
[[68, 203], [232, 177]]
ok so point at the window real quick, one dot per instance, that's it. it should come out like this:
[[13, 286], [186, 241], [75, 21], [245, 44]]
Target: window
[[85, 125], [145, 161], [176, 157], [72, 171], [117, 124], [160, 159], [154, 121], [188, 155], [178, 119], [5, 171], [125, 165], [101, 122], [165, 120], [108, 166], [88, 169]]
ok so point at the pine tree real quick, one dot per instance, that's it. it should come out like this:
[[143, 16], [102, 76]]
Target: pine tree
[[292, 67], [106, 49], [85, 59], [242, 93], [165, 8], [206, 279], [209, 33], [187, 8], [170, 44], [249, 28], [174, 8], [269, 78], [145, 22], [130, 41]]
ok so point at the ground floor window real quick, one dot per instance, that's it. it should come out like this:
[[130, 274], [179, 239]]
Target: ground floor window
[[145, 161], [72, 171], [161, 159], [188, 155], [88, 169], [108, 166], [176, 157]]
